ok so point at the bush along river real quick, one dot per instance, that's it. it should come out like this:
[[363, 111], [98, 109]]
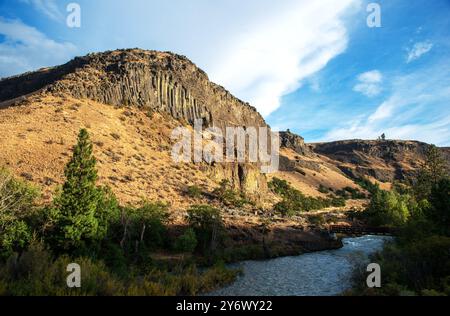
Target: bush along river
[[324, 273]]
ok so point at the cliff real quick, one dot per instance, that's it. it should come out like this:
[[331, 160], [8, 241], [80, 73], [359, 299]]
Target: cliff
[[131, 100], [159, 81], [295, 142], [161, 88], [385, 161]]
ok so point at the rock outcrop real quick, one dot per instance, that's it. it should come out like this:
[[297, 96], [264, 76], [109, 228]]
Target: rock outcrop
[[385, 161], [154, 82], [169, 83], [294, 142], [158, 81]]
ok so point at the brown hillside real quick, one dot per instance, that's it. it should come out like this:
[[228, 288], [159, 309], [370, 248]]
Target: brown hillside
[[384, 161], [131, 100], [132, 149]]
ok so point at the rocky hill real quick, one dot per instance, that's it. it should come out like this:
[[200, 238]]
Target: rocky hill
[[159, 81], [383, 160], [131, 100], [295, 142], [160, 88]]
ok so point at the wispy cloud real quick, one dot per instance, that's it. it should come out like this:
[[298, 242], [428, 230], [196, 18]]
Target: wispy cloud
[[25, 48], [418, 50], [417, 109], [369, 83], [271, 59], [47, 7]]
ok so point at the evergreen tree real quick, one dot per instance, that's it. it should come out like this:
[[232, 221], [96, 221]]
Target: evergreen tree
[[78, 203], [439, 212], [431, 172]]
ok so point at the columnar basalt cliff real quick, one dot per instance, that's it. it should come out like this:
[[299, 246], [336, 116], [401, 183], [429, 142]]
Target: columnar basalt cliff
[[159, 81], [153, 82], [170, 85]]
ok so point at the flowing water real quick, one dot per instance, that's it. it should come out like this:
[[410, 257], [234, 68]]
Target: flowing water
[[324, 273]]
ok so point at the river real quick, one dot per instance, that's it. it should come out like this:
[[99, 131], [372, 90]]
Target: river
[[325, 273]]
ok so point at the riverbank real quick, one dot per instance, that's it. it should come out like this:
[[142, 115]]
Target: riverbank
[[258, 243], [324, 273], [259, 236]]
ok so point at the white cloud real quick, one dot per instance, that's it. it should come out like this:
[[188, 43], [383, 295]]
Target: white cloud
[[272, 58], [25, 48], [47, 7], [260, 50], [417, 109], [369, 83], [418, 50]]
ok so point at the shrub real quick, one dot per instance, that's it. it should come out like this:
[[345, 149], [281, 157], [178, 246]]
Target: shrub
[[186, 242], [286, 208], [144, 228], [294, 201], [17, 213], [15, 235], [228, 196], [351, 193], [323, 189], [317, 219], [368, 185], [194, 192], [37, 273], [16, 197], [337, 202], [355, 194], [420, 265]]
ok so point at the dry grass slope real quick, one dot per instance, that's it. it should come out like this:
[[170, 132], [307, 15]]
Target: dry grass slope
[[132, 148]]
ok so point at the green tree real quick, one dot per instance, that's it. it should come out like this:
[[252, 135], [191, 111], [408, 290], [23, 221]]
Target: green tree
[[17, 213], [388, 208], [439, 212], [207, 223], [228, 196], [431, 172], [186, 242], [78, 216]]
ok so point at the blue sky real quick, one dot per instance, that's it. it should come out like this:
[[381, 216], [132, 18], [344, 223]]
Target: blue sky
[[312, 66]]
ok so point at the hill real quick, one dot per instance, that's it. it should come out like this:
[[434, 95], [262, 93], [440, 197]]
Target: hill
[[131, 100], [381, 160]]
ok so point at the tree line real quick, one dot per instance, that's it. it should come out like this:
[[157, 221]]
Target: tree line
[[417, 262]]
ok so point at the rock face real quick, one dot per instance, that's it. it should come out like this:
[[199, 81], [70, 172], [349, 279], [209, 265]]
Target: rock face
[[294, 142], [146, 79], [384, 160], [244, 177], [151, 81]]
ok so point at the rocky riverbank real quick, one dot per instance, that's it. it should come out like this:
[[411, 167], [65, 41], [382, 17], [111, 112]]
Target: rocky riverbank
[[250, 238]]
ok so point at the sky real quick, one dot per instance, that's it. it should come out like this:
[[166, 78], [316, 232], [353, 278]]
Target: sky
[[314, 67]]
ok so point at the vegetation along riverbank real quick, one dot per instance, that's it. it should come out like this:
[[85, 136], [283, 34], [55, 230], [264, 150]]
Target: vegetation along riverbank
[[418, 261], [136, 250]]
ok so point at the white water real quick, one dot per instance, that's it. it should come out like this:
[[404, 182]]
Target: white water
[[324, 273]]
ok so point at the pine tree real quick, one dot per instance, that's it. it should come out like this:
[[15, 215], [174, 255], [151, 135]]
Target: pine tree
[[431, 172], [78, 204]]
